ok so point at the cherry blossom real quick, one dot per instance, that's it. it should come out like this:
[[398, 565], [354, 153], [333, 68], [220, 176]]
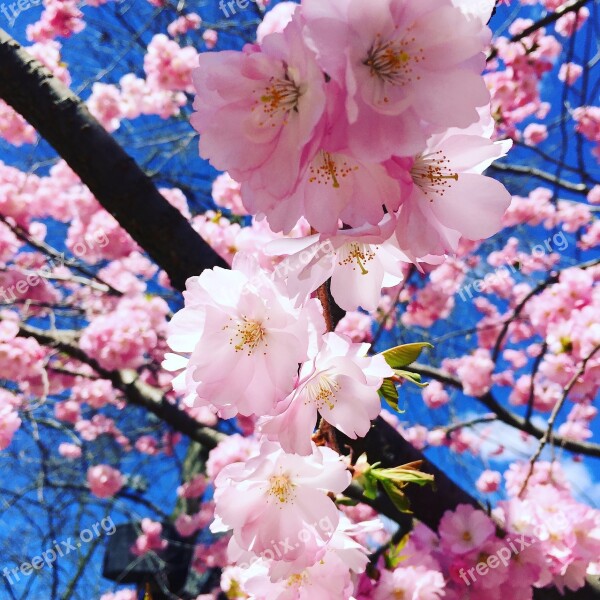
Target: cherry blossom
[[400, 53], [285, 497], [104, 481], [360, 262], [275, 95], [341, 383], [239, 321]]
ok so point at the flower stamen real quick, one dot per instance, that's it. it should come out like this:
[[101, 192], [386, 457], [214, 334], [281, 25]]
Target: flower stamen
[[326, 169], [393, 61], [281, 488], [322, 392], [278, 99], [359, 253], [432, 173], [249, 334]]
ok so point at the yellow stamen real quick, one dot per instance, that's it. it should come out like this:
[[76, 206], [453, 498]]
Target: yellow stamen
[[432, 173], [359, 253], [281, 488], [248, 335]]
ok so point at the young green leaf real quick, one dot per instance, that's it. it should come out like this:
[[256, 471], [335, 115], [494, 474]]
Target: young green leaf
[[390, 393], [402, 356]]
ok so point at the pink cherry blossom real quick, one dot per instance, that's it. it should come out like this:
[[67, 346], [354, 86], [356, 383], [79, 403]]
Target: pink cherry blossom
[[360, 262], [104, 481], [445, 196], [488, 481], [70, 451], [434, 395], [194, 488], [334, 187], [357, 326], [276, 19], [275, 496], [413, 582], [570, 72], [535, 133], [341, 383], [328, 578], [465, 529], [59, 18], [210, 37], [183, 24], [239, 322], [150, 539], [169, 66], [273, 96], [9, 424], [232, 449], [399, 60], [226, 194]]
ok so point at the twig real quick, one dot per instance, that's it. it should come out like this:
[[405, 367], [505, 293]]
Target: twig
[[554, 415]]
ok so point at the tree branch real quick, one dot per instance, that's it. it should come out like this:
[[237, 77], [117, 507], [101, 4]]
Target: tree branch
[[579, 188], [137, 391], [552, 419], [502, 413], [547, 20], [112, 176]]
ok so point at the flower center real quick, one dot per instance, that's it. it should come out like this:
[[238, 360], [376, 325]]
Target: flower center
[[281, 488], [297, 580], [432, 173], [248, 335], [279, 98], [322, 391], [393, 61], [398, 594], [356, 253], [328, 168], [466, 536]]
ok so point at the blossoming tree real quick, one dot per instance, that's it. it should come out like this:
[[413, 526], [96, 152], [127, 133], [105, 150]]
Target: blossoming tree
[[351, 350]]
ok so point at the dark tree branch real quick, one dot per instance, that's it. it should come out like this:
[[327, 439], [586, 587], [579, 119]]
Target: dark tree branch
[[579, 188], [137, 392], [109, 172], [547, 20], [504, 415]]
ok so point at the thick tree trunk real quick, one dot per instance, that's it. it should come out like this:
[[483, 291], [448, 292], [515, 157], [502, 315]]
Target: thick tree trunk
[[110, 173]]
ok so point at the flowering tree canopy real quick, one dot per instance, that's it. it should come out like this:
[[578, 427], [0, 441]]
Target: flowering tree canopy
[[300, 300]]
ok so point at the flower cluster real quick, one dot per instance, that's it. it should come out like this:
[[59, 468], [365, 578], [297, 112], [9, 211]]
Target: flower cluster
[[358, 143], [357, 133]]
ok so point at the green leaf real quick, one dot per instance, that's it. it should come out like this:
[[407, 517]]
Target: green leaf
[[346, 502], [412, 377], [402, 356], [369, 483], [393, 557], [402, 476], [390, 393], [394, 479], [397, 496]]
